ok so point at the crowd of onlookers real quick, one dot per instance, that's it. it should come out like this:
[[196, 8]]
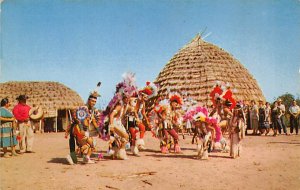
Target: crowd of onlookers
[[263, 118]]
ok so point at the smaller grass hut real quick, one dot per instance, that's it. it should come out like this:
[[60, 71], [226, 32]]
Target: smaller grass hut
[[54, 98]]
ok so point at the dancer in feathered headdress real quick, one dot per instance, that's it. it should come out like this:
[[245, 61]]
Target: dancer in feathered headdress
[[216, 93], [223, 105], [162, 111], [84, 127], [149, 91], [207, 131], [116, 111], [237, 130], [176, 113], [168, 119], [227, 96]]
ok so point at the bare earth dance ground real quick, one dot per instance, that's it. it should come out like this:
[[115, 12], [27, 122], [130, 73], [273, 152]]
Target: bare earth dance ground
[[266, 163]]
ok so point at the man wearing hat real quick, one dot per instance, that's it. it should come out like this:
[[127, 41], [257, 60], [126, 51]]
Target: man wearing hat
[[21, 113], [282, 108]]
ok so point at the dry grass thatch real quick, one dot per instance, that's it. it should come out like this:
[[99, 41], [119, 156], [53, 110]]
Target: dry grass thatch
[[51, 96], [196, 68]]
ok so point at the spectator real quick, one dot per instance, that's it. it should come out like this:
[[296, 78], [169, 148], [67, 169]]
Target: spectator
[[261, 116], [246, 109], [268, 123], [275, 116], [7, 135], [21, 113], [282, 108], [35, 121], [294, 111], [254, 117]]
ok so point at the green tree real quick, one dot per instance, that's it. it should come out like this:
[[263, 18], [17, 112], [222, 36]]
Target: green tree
[[287, 99]]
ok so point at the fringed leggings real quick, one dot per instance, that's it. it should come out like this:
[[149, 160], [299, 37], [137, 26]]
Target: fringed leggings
[[172, 132], [142, 129]]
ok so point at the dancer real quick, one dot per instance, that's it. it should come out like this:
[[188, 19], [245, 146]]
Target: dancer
[[166, 125], [90, 116], [216, 93], [205, 133], [115, 114], [132, 121], [237, 131], [149, 91], [223, 104], [176, 112]]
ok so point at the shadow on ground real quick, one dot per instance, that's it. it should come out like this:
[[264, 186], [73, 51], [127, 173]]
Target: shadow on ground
[[59, 161]]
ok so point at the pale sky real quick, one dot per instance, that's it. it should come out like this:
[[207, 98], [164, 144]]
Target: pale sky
[[81, 42]]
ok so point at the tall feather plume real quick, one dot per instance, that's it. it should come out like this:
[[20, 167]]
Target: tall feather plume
[[95, 91]]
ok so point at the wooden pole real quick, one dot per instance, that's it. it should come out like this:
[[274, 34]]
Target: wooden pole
[[40, 126], [56, 121], [67, 119]]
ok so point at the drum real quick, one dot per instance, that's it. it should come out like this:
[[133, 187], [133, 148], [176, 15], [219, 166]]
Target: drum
[[36, 113]]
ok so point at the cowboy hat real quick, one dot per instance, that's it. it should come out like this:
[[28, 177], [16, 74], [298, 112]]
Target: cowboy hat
[[22, 97]]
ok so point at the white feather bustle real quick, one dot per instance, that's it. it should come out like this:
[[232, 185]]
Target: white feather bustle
[[121, 154]]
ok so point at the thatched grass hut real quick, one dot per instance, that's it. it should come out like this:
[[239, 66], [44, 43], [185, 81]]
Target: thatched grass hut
[[198, 65], [54, 98]]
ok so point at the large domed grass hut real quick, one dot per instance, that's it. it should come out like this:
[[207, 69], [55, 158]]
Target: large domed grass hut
[[194, 70], [54, 98]]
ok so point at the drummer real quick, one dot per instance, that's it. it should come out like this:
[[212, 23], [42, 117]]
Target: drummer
[[36, 115], [21, 113]]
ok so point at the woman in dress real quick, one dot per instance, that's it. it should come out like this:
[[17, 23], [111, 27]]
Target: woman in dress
[[7, 134], [262, 117], [254, 117], [276, 113], [268, 118]]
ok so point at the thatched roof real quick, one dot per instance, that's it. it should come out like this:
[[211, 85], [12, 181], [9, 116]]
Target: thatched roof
[[196, 68], [51, 96]]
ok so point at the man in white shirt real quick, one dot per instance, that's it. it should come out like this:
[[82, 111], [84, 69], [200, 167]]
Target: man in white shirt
[[294, 111]]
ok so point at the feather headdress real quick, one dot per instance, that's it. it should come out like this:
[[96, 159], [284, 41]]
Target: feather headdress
[[162, 106], [95, 93], [126, 88], [196, 113], [175, 97], [150, 89]]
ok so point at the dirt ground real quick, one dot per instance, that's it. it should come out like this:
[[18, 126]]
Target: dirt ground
[[266, 163]]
